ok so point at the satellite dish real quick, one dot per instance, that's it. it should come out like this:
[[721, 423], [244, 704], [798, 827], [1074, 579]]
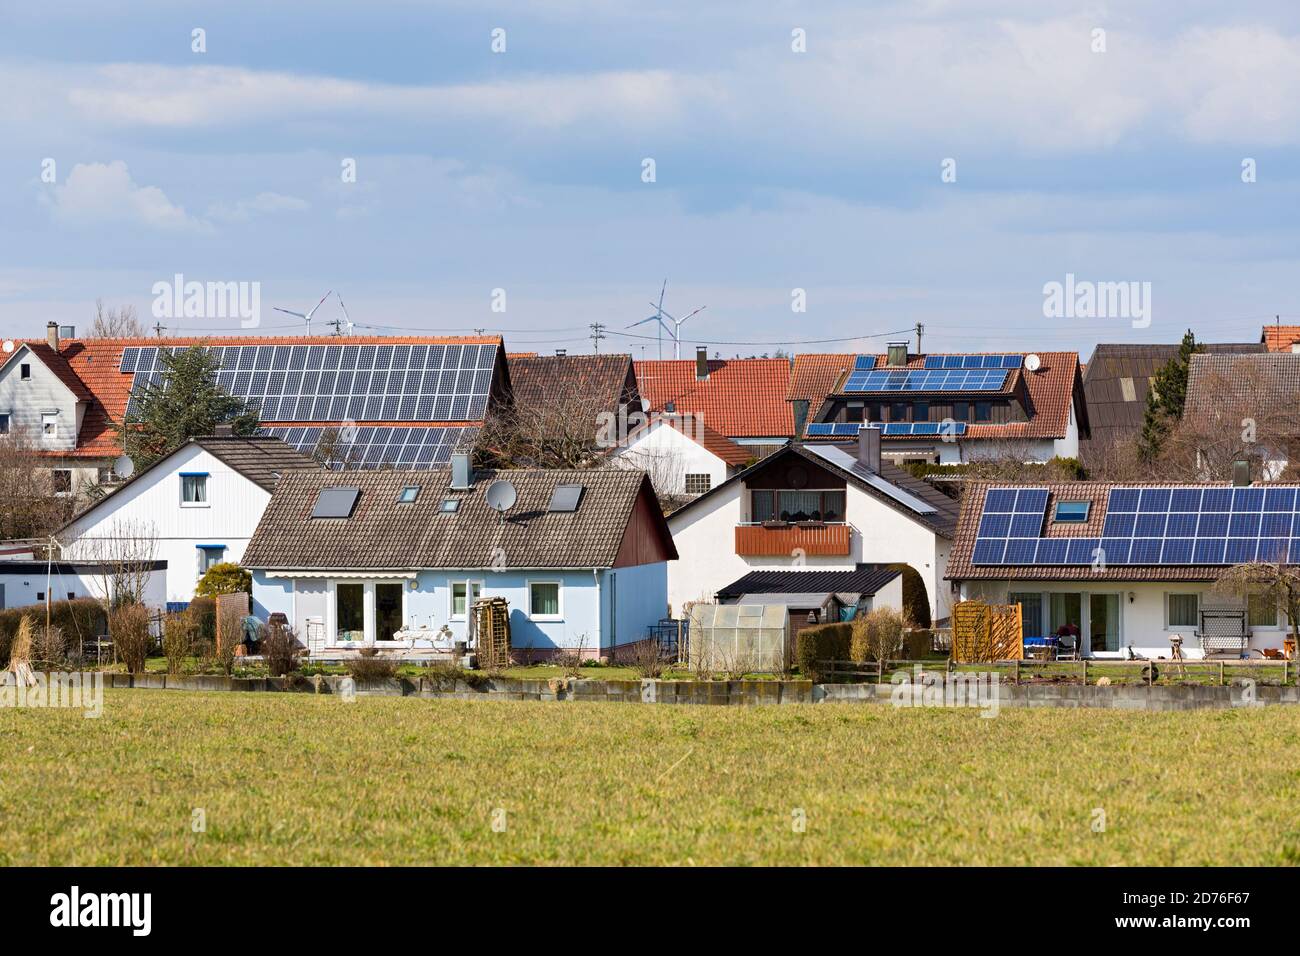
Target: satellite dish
[[501, 496], [9, 345], [124, 467], [1033, 363]]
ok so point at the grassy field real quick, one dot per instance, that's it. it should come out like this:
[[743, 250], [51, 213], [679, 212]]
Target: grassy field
[[299, 779]]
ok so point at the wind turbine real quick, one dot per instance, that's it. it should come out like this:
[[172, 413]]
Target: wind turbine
[[306, 315], [676, 331], [346, 317]]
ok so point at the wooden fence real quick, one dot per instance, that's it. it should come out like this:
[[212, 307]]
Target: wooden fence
[[986, 632]]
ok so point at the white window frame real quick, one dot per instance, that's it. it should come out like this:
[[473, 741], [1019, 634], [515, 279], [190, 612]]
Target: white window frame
[[202, 554], [195, 504], [559, 599], [369, 619], [470, 584], [1169, 624], [1087, 511], [1264, 627], [49, 419]]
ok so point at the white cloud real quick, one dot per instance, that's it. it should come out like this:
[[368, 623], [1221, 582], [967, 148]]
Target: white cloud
[[105, 193], [263, 204]]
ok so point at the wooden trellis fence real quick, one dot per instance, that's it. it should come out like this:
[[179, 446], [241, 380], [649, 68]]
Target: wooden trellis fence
[[492, 632], [986, 632]]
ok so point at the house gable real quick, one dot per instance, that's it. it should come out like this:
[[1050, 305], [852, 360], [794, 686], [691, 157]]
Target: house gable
[[646, 539], [45, 392]]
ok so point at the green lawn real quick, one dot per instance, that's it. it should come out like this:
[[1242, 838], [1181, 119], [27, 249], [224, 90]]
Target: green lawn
[[300, 779]]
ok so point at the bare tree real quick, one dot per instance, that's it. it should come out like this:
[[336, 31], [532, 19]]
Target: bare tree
[[569, 430], [1275, 581], [30, 507], [333, 451], [123, 553], [115, 323], [667, 470]]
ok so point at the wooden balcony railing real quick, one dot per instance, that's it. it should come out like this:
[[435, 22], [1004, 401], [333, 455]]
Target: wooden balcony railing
[[754, 540]]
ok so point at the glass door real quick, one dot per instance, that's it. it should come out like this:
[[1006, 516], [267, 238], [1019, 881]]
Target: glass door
[[350, 612], [1066, 611], [1103, 622], [388, 610], [1031, 612]]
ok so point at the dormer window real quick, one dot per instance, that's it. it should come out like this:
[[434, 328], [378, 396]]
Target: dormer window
[[408, 495], [1072, 512]]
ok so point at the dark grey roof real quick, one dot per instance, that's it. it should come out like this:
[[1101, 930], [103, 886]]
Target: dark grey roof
[[259, 459], [1230, 383], [383, 534], [1115, 385], [864, 579], [942, 521]]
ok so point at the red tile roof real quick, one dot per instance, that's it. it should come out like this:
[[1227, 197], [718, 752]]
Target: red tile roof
[[741, 398], [1051, 390], [95, 364], [1279, 338], [815, 375]]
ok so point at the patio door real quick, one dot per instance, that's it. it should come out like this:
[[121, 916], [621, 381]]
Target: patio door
[[367, 611], [1103, 622], [388, 610]]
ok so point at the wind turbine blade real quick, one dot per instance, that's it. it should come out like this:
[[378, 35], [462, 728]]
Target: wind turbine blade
[[320, 303], [301, 315], [642, 322]]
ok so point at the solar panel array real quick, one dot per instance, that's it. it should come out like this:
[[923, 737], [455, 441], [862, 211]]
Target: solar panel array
[[927, 380], [1148, 526], [334, 383], [862, 364], [376, 446], [973, 361], [924, 429]]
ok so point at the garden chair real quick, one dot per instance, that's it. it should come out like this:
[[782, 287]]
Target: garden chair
[[1067, 647]]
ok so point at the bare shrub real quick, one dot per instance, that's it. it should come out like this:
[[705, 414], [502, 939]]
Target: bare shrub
[[570, 659], [230, 633], [363, 669], [647, 659], [281, 650], [49, 646], [179, 633], [128, 628], [877, 635]]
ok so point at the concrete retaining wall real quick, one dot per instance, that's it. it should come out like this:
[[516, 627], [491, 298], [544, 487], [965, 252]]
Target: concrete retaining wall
[[719, 693]]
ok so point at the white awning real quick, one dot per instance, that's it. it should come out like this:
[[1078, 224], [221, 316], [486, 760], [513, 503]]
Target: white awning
[[346, 575]]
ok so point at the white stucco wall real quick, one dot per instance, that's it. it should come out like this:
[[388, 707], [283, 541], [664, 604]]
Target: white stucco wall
[[1143, 621], [153, 501], [706, 546]]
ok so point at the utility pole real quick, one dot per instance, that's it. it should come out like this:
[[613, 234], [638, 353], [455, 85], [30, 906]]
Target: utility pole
[[159, 329], [338, 326], [919, 329], [597, 333]]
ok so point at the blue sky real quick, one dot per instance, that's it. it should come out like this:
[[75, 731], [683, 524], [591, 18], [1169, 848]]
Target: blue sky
[[775, 169]]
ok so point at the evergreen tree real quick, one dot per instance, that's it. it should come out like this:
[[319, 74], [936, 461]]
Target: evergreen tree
[[185, 403], [1165, 398]]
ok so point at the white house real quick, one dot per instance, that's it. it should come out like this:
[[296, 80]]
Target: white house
[[192, 509], [824, 507], [30, 583], [395, 559], [681, 454], [1126, 567]]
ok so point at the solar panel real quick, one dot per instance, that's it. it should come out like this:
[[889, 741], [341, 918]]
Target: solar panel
[[927, 380], [1152, 526], [973, 361], [842, 459], [335, 502], [864, 363]]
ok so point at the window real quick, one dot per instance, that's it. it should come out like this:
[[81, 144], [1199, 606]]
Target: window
[[194, 490], [853, 412], [921, 412], [983, 411], [1072, 512], [1031, 612], [544, 600], [388, 609], [4, 424], [1261, 611], [449, 505], [898, 412], [350, 611], [408, 495], [463, 594], [62, 479], [24, 371], [1182, 610], [961, 411], [210, 554], [789, 505], [40, 596], [697, 484], [50, 425]]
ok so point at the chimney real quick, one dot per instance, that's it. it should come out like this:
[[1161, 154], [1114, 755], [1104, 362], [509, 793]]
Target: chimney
[[897, 356], [52, 335], [462, 475], [224, 431], [869, 448], [1240, 474], [701, 363], [561, 353]]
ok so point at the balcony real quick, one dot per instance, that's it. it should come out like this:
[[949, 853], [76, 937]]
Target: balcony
[[771, 541]]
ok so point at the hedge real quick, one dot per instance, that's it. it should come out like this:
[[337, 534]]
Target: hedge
[[80, 619], [823, 642]]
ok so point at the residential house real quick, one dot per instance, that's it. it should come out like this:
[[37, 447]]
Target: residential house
[[395, 559], [1116, 382], [682, 455], [370, 401], [29, 583], [602, 383], [1128, 566], [1281, 338], [1245, 406], [741, 399], [191, 509], [948, 408], [815, 507]]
